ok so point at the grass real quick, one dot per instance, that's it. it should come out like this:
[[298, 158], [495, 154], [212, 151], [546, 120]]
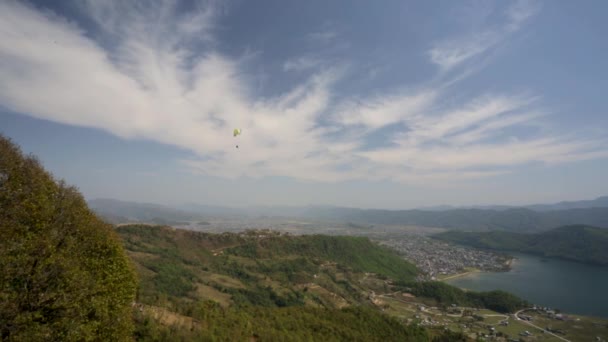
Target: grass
[[208, 292], [582, 330], [493, 320], [225, 281]]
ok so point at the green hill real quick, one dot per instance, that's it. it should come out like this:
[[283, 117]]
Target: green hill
[[265, 284], [256, 267], [358, 253], [578, 243], [64, 275], [276, 286]]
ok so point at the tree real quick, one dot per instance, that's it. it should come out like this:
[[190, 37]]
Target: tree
[[63, 272]]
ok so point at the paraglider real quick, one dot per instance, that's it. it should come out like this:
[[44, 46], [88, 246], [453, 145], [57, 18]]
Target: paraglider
[[237, 131]]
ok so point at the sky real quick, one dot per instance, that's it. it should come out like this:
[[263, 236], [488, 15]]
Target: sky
[[394, 104]]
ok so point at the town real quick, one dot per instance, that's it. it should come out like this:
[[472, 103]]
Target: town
[[438, 259]]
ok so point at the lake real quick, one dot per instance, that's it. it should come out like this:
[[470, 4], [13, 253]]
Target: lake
[[569, 286]]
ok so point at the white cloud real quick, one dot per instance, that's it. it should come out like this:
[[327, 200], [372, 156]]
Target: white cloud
[[450, 53], [301, 63], [151, 85], [380, 111], [520, 11]]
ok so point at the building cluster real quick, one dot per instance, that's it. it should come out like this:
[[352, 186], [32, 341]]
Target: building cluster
[[436, 258]]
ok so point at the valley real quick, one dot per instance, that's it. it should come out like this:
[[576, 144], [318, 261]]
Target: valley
[[189, 279]]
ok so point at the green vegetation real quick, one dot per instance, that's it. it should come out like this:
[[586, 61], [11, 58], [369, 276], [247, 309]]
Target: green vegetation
[[577, 243], [64, 275], [446, 295], [280, 324], [451, 336], [256, 268], [358, 253], [271, 286], [278, 286]]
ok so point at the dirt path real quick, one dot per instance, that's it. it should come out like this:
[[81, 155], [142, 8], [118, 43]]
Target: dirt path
[[459, 275]]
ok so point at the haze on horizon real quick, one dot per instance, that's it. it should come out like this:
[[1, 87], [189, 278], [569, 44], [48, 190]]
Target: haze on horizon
[[403, 105]]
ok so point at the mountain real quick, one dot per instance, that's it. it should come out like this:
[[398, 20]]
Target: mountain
[[265, 285], [600, 202], [250, 211], [578, 243], [116, 211], [510, 219], [514, 220], [437, 208]]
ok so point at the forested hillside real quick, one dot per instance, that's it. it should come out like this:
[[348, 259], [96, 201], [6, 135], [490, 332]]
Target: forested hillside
[[445, 295], [272, 286], [577, 243], [257, 267], [266, 284], [64, 275]]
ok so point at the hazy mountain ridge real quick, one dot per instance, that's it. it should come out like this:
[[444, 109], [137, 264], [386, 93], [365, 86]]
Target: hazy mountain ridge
[[578, 243], [600, 202], [117, 211], [516, 219], [512, 219]]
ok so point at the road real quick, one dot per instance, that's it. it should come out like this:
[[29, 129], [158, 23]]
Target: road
[[536, 326]]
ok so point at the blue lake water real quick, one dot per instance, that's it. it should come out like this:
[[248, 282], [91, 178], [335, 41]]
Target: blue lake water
[[569, 286]]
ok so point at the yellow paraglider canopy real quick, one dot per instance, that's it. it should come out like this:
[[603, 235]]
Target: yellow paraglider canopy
[[237, 131]]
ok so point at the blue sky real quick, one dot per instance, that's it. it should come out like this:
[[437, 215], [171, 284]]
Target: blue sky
[[392, 104]]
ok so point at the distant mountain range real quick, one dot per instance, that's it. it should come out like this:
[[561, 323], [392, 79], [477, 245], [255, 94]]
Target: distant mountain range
[[529, 219], [600, 202], [116, 211], [514, 220]]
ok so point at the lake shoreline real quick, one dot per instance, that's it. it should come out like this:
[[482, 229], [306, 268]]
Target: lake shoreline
[[545, 281]]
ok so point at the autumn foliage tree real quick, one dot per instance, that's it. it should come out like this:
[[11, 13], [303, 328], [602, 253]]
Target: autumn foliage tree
[[64, 275]]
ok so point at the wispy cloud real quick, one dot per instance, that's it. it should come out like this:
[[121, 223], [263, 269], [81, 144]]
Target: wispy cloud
[[162, 80], [452, 52], [302, 63]]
